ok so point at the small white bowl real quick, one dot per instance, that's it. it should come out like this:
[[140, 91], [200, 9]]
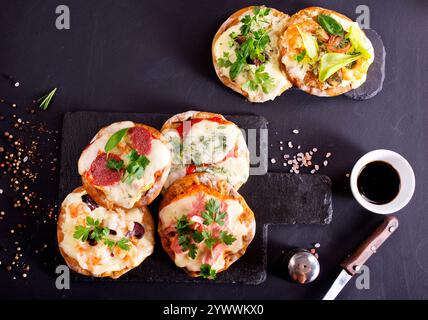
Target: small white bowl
[[407, 181]]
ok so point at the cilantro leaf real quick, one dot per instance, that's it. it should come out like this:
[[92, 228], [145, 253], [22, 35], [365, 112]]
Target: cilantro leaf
[[207, 272]]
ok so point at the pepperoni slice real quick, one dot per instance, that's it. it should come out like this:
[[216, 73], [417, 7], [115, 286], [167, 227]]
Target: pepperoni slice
[[141, 139], [101, 174]]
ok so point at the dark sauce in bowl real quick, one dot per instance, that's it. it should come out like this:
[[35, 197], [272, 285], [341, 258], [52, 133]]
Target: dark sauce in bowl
[[378, 182]]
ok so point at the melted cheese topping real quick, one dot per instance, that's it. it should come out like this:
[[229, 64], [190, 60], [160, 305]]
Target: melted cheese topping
[[99, 259], [298, 70], [224, 45], [207, 145], [170, 214], [126, 194]]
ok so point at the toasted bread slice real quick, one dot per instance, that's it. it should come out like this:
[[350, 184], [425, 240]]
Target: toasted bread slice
[[202, 205], [257, 80], [206, 142], [89, 257], [310, 70], [130, 175]]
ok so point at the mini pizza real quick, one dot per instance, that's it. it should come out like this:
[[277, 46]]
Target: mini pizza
[[125, 165], [99, 242], [325, 53], [206, 142], [246, 55], [204, 224]]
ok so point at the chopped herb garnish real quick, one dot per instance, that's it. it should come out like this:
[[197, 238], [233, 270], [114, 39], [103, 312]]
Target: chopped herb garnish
[[197, 236], [224, 62], [188, 237], [185, 236], [123, 243], [260, 79], [212, 213], [115, 139], [209, 240], [208, 272], [95, 232], [136, 166], [252, 43], [193, 250], [183, 225], [226, 238], [114, 164], [46, 99]]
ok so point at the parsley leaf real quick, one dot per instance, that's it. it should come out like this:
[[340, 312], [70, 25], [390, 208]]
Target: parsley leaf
[[184, 242], [260, 78], [226, 238], [114, 164], [183, 225], [197, 236], [208, 272], [209, 240], [110, 243], [94, 231], [136, 166], [193, 250], [80, 232], [123, 243], [212, 213]]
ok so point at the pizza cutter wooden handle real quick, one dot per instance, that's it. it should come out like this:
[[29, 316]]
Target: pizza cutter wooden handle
[[370, 245]]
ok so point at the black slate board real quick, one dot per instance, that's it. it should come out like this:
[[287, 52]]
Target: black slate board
[[276, 198], [376, 74]]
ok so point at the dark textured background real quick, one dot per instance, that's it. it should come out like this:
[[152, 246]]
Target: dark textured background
[[154, 56]]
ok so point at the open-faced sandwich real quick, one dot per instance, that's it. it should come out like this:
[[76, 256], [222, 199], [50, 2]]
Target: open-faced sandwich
[[204, 224], [325, 53], [206, 142], [99, 242], [125, 165], [246, 55]]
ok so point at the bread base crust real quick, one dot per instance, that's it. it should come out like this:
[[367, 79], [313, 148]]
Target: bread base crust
[[210, 185]]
